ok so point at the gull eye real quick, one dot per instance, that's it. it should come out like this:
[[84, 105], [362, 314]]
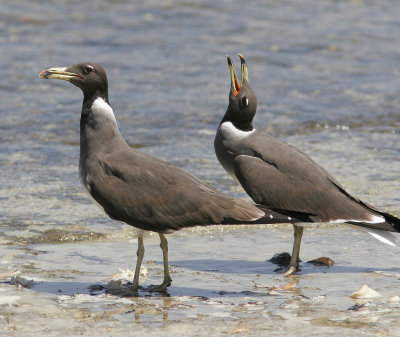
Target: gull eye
[[245, 101], [88, 69]]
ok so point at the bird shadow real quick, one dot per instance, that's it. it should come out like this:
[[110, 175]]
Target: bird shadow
[[269, 268], [244, 267], [74, 288]]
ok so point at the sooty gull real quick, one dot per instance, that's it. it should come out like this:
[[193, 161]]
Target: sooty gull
[[282, 178], [137, 189]]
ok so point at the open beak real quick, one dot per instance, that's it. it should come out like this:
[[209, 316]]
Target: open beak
[[58, 73], [244, 75], [235, 87]]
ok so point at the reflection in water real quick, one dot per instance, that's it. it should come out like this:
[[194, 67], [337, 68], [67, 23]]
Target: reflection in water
[[151, 315]]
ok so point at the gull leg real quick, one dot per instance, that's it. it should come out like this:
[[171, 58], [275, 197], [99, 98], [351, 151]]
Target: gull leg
[[164, 246], [294, 262], [140, 254], [167, 278]]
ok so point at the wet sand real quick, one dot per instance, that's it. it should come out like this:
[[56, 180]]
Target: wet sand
[[222, 285]]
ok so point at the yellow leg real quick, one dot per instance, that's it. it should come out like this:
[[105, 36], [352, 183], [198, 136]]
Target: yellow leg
[[167, 278], [294, 262], [164, 246], [140, 254]]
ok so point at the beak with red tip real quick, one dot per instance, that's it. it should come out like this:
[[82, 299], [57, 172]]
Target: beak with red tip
[[58, 73]]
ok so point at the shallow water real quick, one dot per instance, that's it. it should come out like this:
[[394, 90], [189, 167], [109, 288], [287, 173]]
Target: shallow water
[[327, 78]]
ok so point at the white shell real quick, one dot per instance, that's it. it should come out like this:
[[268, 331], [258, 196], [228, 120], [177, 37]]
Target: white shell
[[395, 299], [365, 292]]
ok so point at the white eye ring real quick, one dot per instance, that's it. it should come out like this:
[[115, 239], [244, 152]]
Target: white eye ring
[[89, 69]]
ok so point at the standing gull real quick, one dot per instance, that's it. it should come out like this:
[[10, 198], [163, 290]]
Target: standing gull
[[282, 178], [137, 189]]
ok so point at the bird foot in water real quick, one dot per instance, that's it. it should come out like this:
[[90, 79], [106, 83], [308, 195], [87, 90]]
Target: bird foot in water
[[133, 290], [290, 271], [319, 262], [124, 291], [158, 288]]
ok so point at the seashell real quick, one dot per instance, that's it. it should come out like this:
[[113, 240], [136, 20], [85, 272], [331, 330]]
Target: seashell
[[365, 292], [127, 274]]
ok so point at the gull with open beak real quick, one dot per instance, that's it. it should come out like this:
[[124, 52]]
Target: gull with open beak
[[284, 179]]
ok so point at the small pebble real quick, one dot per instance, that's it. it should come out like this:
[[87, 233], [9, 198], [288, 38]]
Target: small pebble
[[322, 261]]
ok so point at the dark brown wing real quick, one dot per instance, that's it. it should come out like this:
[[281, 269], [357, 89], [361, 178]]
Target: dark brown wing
[[153, 195], [281, 177]]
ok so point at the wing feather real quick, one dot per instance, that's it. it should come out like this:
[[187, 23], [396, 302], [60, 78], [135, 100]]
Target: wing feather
[[282, 177], [154, 195]]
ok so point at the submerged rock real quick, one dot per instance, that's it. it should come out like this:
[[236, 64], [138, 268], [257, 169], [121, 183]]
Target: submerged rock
[[113, 285], [21, 281], [281, 259]]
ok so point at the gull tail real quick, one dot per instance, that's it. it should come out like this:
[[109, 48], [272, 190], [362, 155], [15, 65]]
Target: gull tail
[[386, 230], [273, 216]]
